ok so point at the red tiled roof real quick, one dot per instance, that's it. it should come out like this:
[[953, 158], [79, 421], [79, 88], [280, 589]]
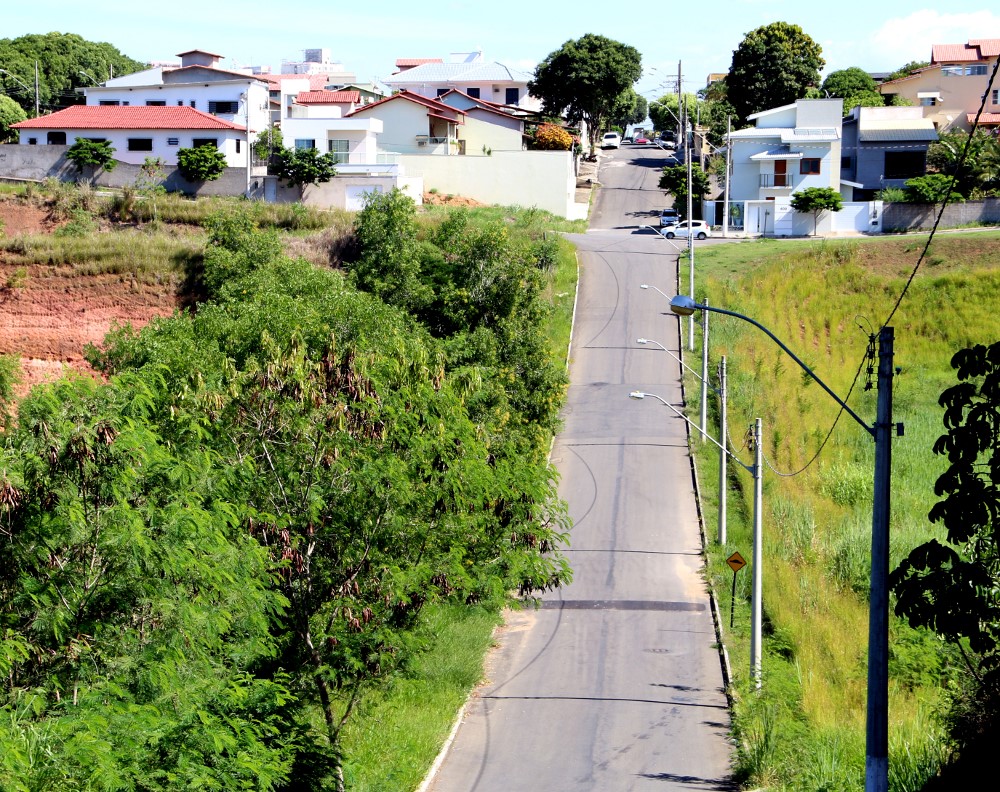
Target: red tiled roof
[[435, 108], [328, 97], [102, 117], [986, 119], [974, 50], [409, 63]]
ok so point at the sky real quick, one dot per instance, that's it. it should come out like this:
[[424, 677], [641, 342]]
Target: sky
[[368, 37]]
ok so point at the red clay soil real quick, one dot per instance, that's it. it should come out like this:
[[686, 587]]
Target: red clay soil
[[48, 320]]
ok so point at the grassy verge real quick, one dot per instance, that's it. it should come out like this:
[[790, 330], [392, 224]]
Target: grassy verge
[[806, 729]]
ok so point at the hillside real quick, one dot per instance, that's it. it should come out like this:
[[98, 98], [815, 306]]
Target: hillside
[[50, 312]]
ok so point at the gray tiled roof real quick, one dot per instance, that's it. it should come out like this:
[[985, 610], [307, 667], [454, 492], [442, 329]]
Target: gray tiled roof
[[457, 73], [883, 135]]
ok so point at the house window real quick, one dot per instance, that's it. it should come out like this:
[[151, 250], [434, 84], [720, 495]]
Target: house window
[[305, 143], [173, 141], [339, 149], [109, 103], [845, 163], [905, 164], [237, 146], [155, 103], [951, 71], [473, 92], [809, 166], [227, 108], [928, 101], [140, 144], [442, 91], [213, 142], [995, 96], [124, 103], [180, 103], [192, 103], [32, 141], [56, 139], [976, 69], [511, 96]]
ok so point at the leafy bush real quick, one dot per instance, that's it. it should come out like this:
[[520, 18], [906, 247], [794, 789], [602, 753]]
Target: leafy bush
[[299, 167], [96, 154], [550, 137], [81, 223], [201, 163], [932, 188]]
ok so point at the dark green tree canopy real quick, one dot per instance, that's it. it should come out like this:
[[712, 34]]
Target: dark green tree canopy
[[584, 79], [674, 181], [299, 167], [10, 113], [94, 154], [61, 58], [908, 69], [773, 66], [201, 163], [855, 86]]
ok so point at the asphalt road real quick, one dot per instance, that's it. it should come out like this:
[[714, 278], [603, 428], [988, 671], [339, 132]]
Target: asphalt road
[[614, 684]]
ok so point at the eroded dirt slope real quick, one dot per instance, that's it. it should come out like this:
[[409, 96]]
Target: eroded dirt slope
[[49, 318]]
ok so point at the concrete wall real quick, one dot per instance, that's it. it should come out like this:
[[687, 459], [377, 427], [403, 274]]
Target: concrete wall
[[911, 217], [544, 179], [348, 192], [483, 128], [44, 162]]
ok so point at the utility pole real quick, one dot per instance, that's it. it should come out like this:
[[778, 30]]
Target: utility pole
[[690, 209], [680, 112], [758, 560], [723, 439], [877, 731], [36, 89], [704, 372]]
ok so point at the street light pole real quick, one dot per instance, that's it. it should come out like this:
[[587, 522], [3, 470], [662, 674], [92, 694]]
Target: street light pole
[[724, 437], [877, 720], [704, 370]]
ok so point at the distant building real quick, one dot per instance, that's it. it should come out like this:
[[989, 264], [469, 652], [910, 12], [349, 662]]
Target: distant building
[[883, 147]]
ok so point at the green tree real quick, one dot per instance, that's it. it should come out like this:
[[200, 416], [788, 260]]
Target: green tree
[[973, 161], [268, 142], [908, 69], [95, 154], [773, 66], [201, 163], [629, 109], [954, 588], [299, 167], [584, 79], [61, 58], [816, 200], [855, 86], [674, 180], [665, 111], [931, 189], [10, 113]]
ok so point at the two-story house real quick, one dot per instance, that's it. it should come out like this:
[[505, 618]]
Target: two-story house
[[415, 124], [950, 90], [790, 148], [883, 147], [468, 73], [487, 127]]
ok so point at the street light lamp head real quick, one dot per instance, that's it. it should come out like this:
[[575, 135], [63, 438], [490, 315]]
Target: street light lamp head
[[637, 395], [643, 285], [642, 340], [682, 305]]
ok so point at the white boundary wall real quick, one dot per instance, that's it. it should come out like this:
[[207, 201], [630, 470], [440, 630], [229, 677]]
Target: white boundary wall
[[542, 179]]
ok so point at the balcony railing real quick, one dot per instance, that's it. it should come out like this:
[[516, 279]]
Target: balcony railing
[[774, 180], [427, 140]]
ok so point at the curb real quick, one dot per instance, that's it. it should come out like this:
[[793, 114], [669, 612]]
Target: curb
[[727, 673]]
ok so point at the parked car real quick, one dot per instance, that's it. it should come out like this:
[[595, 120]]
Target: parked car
[[641, 141], [669, 217], [611, 140], [699, 228], [627, 139], [667, 143]]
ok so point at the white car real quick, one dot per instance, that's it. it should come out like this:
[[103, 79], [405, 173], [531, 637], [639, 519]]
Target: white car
[[699, 228], [611, 140]]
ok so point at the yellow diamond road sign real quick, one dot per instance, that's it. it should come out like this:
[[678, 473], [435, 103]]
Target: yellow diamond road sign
[[736, 562]]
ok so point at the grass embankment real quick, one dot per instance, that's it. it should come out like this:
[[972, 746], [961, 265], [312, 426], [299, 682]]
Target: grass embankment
[[806, 729], [395, 733]]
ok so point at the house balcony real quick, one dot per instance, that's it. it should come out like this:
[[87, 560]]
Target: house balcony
[[775, 180]]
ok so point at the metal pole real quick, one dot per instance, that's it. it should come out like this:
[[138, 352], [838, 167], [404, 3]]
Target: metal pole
[[723, 437], [877, 734], [704, 372], [725, 193], [690, 199], [755, 628], [36, 90]]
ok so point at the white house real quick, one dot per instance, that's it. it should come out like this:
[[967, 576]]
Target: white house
[[136, 133], [487, 127], [352, 141], [468, 73], [789, 149], [324, 104], [414, 124], [198, 83]]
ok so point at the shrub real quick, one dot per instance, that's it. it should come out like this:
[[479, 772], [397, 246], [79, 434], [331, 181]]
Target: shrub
[[305, 166], [553, 138], [94, 154], [932, 188], [201, 163]]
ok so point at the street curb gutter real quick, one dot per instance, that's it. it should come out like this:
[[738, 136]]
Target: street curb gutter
[[727, 673], [425, 785]]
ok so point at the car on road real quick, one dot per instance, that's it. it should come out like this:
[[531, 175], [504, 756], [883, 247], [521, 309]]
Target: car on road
[[667, 144], [699, 228], [669, 217], [611, 140], [641, 141]]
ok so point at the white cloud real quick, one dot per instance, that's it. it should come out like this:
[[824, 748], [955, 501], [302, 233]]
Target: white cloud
[[904, 39]]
